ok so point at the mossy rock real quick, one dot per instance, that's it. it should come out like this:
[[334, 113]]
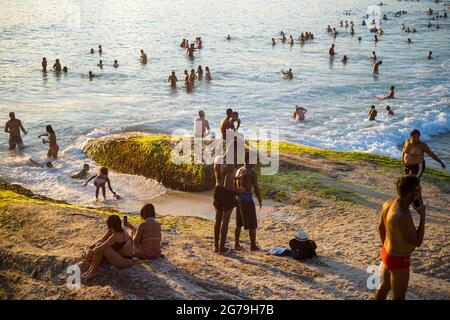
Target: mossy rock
[[151, 157]]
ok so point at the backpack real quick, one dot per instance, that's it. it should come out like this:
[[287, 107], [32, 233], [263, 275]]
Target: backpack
[[305, 249]]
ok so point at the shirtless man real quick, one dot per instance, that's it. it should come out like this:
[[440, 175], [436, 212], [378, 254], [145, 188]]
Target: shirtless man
[[273, 42], [57, 66], [299, 113], [143, 57], [224, 198], [173, 80], [399, 237], [44, 64], [376, 67], [374, 56], [288, 75], [391, 93], [13, 127], [190, 51], [389, 111], [430, 55], [331, 52], [372, 113], [202, 128], [245, 210], [413, 154], [226, 124]]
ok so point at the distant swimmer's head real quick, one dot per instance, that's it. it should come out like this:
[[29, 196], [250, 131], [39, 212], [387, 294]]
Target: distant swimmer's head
[[49, 129], [86, 167], [229, 112], [142, 51], [65, 69], [359, 38], [207, 69], [44, 59], [380, 62], [414, 136], [388, 108], [392, 87], [92, 50], [192, 45], [173, 73], [235, 115], [99, 46], [185, 72], [49, 164], [147, 211], [57, 60], [12, 115], [104, 171], [201, 114], [192, 71], [91, 74]]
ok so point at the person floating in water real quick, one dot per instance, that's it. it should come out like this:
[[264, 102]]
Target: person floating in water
[[288, 75], [376, 67], [44, 64], [331, 52], [13, 127], [389, 111], [430, 55], [173, 80], [82, 173], [115, 64], [100, 182], [57, 66], [247, 178], [91, 75], [299, 113], [35, 164], [143, 57], [53, 146], [373, 113], [399, 237], [92, 51], [413, 155]]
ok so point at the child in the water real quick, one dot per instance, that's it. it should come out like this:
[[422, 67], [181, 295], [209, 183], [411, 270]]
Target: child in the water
[[100, 181], [83, 173]]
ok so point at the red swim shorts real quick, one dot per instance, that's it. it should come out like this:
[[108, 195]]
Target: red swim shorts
[[395, 262]]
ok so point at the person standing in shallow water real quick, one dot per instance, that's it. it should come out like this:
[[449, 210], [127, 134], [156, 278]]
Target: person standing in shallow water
[[57, 66], [44, 64], [13, 127], [53, 146], [173, 80], [245, 209], [373, 113], [399, 237]]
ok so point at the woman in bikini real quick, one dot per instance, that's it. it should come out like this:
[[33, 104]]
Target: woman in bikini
[[147, 236], [53, 146], [115, 247], [100, 181]]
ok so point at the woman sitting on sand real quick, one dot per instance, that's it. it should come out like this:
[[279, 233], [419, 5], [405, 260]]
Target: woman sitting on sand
[[147, 236], [115, 247]]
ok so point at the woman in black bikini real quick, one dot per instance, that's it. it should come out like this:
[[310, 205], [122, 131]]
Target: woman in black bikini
[[116, 247]]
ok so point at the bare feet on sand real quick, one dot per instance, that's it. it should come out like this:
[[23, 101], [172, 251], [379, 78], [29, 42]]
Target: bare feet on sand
[[255, 248]]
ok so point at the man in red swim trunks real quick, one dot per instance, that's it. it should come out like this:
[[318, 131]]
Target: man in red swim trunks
[[400, 237]]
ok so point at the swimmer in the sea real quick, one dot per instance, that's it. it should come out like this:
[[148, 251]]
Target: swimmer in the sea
[[115, 64], [391, 93], [207, 74], [100, 182], [331, 52], [359, 39], [299, 113], [57, 66], [199, 73], [100, 64], [92, 51], [273, 42], [364, 22], [44, 64], [91, 75], [82, 173], [389, 111], [190, 51], [430, 55], [65, 70], [33, 163], [192, 77], [329, 30], [143, 57], [173, 80], [375, 38], [344, 59], [352, 31], [228, 37], [409, 41], [376, 67], [183, 44], [373, 56], [100, 50], [291, 40], [372, 113], [288, 75]]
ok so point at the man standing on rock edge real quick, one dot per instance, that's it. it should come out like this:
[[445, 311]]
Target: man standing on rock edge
[[399, 237]]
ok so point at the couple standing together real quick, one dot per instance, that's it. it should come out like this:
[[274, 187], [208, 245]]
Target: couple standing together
[[234, 189]]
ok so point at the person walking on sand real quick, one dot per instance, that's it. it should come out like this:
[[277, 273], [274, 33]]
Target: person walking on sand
[[372, 113], [202, 128], [147, 236], [224, 196], [299, 113], [53, 146], [245, 209], [413, 154], [13, 127], [399, 237], [101, 179]]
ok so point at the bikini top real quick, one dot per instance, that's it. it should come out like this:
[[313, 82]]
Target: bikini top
[[149, 237]]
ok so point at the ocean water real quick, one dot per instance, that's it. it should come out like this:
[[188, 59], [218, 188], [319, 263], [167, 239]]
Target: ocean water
[[246, 76]]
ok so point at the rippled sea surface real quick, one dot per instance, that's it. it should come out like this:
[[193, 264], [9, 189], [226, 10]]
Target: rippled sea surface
[[246, 75]]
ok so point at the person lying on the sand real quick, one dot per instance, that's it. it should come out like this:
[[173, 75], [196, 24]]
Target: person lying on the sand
[[33, 163], [245, 209], [299, 113], [399, 237], [147, 236], [100, 182], [115, 247], [83, 173]]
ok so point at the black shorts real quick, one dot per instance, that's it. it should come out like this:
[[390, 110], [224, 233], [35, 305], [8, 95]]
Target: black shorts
[[246, 215], [224, 200], [416, 169]]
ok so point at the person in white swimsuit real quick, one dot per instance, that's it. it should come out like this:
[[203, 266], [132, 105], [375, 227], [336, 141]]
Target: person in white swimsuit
[[100, 182]]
